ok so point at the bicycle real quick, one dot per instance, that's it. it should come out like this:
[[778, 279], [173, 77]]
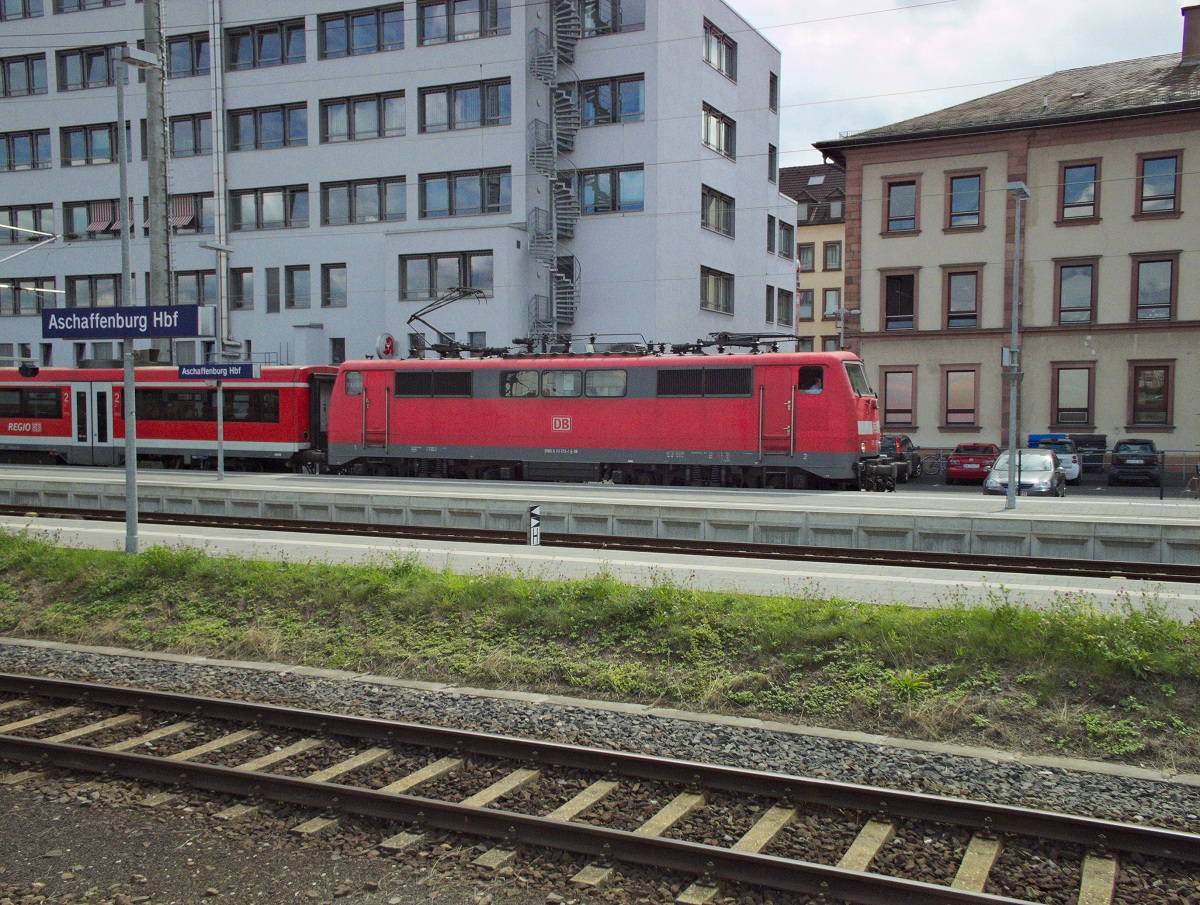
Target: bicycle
[[933, 463]]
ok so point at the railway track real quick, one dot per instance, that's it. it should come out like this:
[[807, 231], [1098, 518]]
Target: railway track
[[951, 561], [837, 842]]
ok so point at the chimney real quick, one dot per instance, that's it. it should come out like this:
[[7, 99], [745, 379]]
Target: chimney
[[1191, 36]]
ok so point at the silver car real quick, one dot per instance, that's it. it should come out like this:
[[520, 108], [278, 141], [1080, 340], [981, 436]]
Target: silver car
[[1038, 474]]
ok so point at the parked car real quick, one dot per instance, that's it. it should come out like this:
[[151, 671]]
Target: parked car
[[1068, 456], [899, 448], [970, 462], [1135, 460], [1038, 474]]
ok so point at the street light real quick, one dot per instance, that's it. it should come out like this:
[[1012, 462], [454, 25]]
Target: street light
[[1020, 194], [842, 313], [140, 59]]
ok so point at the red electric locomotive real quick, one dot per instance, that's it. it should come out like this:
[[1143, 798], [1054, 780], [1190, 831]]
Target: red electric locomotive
[[74, 415], [776, 419]]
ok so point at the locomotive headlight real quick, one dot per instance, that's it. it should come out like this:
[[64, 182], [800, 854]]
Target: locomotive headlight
[[862, 447]]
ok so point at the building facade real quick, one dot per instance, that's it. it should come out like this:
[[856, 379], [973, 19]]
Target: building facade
[[1109, 279], [591, 168], [820, 194]]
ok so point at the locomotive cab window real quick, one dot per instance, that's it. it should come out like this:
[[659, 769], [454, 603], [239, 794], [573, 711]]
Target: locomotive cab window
[[811, 379], [858, 379], [517, 384], [354, 383], [562, 383], [604, 383]]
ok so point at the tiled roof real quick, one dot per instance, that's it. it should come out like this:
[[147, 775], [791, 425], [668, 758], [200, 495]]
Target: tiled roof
[[814, 185], [1148, 84]]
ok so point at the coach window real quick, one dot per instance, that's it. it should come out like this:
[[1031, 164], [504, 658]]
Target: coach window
[[354, 383], [562, 383], [604, 383], [518, 383]]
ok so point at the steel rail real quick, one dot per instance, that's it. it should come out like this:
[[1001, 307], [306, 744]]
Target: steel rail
[[973, 562], [885, 803], [543, 832]]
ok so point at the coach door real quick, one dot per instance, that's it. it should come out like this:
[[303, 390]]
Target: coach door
[[776, 390], [92, 407], [377, 397]]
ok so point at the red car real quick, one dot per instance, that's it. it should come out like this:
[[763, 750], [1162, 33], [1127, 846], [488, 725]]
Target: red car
[[970, 462]]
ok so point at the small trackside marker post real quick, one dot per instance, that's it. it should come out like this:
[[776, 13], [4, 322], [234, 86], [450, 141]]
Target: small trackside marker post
[[535, 526]]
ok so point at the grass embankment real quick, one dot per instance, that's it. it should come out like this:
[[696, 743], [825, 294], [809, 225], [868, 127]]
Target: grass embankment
[[1068, 681]]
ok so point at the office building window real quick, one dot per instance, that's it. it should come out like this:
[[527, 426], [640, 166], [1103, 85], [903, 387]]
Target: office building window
[[1072, 391], [26, 223], [187, 56], [27, 295], [1075, 291], [787, 240], [772, 163], [717, 211], [961, 289], [1151, 385], [20, 9], [75, 6], [770, 234], [616, 100], [719, 132], [337, 350], [1079, 190], [440, 21], [806, 257], [85, 145], [361, 31], [964, 196], [804, 304], [428, 276], [833, 256], [362, 118], [773, 93], [899, 301], [785, 308], [899, 403], [466, 106], [297, 286], [192, 214], [94, 291], [196, 287], [770, 314], [265, 45], [900, 215], [333, 286], [465, 193], [89, 219], [268, 127], [716, 290], [241, 287], [273, 208], [1158, 183], [24, 75], [961, 386], [191, 136], [25, 150], [363, 201], [720, 51], [608, 17], [612, 189], [86, 67], [1155, 286]]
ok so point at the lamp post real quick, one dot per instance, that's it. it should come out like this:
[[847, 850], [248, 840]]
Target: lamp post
[[1020, 194], [136, 58], [842, 313]]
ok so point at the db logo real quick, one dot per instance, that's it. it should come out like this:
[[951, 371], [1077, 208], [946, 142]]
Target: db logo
[[385, 345], [560, 423]]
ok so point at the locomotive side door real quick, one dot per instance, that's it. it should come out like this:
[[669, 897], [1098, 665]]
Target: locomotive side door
[[91, 408], [376, 401], [775, 388]]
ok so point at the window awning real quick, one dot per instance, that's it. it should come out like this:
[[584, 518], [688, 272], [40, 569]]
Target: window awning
[[183, 210], [117, 220], [100, 216]]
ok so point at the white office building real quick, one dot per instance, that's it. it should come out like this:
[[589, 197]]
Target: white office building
[[591, 167]]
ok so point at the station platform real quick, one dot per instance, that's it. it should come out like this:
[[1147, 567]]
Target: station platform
[[1109, 529]]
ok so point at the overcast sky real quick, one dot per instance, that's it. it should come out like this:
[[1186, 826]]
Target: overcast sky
[[850, 65]]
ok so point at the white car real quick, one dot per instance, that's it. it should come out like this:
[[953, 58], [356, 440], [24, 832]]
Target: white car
[[1068, 456]]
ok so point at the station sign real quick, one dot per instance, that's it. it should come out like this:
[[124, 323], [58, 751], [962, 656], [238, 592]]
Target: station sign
[[136, 322], [226, 370]]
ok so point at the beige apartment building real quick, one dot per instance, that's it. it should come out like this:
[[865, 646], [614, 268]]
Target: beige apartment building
[[1109, 256], [820, 194]]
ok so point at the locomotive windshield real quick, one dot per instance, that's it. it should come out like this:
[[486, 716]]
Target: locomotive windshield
[[858, 379]]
